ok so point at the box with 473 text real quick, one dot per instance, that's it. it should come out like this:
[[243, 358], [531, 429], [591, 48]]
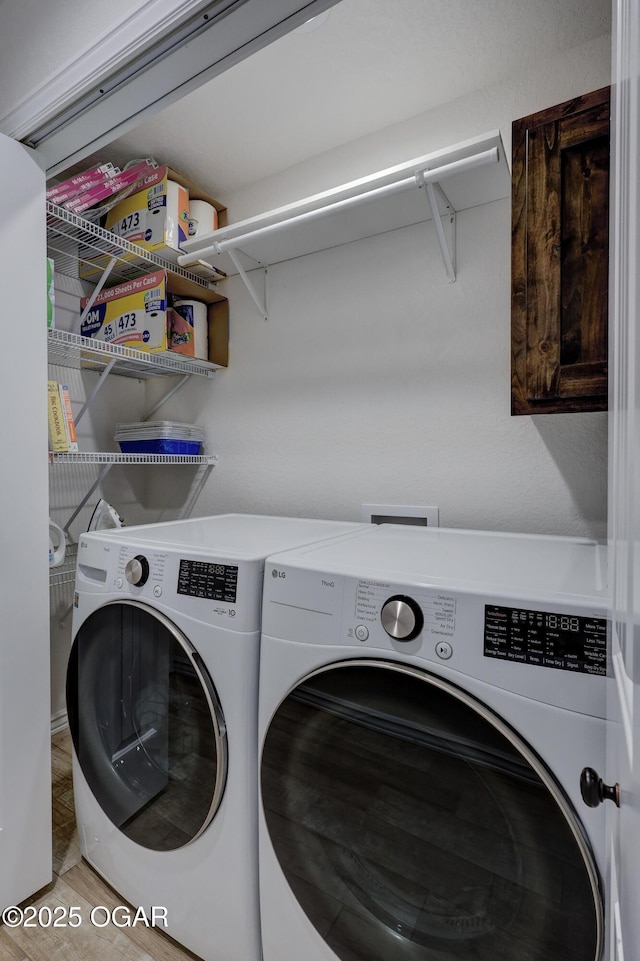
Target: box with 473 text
[[133, 314]]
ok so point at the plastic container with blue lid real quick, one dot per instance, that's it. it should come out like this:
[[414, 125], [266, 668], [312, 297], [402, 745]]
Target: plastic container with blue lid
[[159, 437]]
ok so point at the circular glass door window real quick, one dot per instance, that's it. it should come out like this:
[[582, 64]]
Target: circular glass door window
[[412, 824], [146, 725]]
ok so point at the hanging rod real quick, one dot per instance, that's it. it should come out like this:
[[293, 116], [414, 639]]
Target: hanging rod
[[432, 175]]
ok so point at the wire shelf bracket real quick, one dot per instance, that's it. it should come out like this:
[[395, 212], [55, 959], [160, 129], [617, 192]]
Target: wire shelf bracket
[[108, 459]]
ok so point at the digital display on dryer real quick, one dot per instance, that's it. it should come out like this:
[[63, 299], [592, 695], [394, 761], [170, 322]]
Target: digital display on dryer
[[215, 582], [566, 642]]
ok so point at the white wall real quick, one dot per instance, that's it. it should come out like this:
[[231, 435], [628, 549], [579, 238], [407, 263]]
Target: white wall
[[552, 80], [375, 380]]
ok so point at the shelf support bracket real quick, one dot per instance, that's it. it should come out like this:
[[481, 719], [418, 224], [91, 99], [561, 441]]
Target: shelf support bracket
[[196, 490], [94, 293], [102, 379], [447, 247], [101, 476], [165, 397], [261, 304]]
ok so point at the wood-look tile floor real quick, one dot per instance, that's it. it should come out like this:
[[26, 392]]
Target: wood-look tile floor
[[75, 883]]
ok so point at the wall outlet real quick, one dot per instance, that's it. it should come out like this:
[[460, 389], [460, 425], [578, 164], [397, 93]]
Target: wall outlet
[[400, 514]]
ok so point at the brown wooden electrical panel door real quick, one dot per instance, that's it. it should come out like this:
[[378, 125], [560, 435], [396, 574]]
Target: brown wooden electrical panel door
[[560, 257]]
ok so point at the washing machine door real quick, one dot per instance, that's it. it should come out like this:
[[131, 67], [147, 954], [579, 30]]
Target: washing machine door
[[147, 725], [413, 824]]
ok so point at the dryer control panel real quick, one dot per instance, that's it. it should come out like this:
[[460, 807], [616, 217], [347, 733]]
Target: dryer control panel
[[448, 631], [566, 642]]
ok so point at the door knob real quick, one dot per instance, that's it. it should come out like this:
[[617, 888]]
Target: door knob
[[594, 791]]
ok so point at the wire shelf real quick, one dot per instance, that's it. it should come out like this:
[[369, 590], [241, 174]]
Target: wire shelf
[[66, 573], [109, 457], [73, 350], [82, 249]]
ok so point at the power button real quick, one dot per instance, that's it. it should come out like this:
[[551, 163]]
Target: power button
[[361, 632], [444, 650]]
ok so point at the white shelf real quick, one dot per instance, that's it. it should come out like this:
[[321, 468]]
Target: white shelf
[[111, 458], [66, 573], [436, 185], [105, 460], [81, 248], [85, 252], [72, 350]]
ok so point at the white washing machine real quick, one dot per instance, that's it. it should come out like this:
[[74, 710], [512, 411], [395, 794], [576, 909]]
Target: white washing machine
[[162, 692], [428, 701]]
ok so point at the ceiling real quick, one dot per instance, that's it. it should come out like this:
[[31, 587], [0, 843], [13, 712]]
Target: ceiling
[[361, 67]]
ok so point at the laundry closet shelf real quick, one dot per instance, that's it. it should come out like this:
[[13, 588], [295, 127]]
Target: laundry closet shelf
[[434, 186], [66, 573], [105, 460], [87, 257], [109, 457], [67, 349], [81, 248]]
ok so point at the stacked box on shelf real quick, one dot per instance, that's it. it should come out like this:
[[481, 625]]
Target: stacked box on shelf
[[181, 287], [151, 202], [134, 314], [155, 217], [70, 189]]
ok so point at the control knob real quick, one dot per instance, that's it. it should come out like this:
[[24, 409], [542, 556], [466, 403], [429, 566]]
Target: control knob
[[137, 570], [402, 618]]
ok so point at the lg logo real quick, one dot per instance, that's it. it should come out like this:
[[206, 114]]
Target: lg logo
[[275, 573]]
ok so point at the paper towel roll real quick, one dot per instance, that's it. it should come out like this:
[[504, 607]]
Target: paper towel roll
[[194, 312], [203, 218]]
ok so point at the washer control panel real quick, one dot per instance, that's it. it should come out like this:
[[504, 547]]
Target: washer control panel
[[216, 589], [133, 568], [216, 582]]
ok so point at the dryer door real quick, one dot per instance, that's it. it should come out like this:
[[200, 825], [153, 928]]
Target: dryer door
[[146, 724], [413, 824]]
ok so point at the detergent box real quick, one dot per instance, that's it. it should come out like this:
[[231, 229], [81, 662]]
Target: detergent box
[[133, 314]]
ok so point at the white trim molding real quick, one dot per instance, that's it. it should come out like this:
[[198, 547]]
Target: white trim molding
[[120, 44], [96, 97]]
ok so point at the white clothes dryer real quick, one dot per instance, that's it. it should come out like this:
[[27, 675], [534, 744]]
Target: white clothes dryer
[[162, 689], [428, 701]]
